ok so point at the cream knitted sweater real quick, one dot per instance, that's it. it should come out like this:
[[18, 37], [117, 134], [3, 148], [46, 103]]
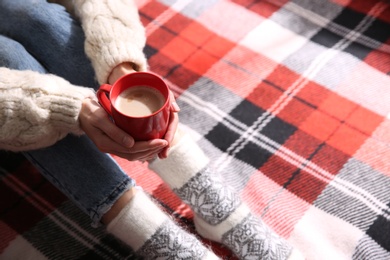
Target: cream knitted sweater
[[37, 110]]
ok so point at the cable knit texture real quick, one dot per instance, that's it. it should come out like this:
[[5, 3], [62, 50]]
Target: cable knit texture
[[37, 110], [114, 34]]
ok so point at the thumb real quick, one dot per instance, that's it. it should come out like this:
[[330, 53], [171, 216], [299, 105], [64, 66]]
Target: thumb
[[118, 135]]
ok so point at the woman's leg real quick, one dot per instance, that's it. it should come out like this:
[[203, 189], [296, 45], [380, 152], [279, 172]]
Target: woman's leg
[[50, 35], [96, 183], [220, 214], [91, 178]]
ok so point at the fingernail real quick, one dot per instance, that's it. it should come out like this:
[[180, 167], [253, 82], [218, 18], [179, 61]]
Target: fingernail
[[175, 106]]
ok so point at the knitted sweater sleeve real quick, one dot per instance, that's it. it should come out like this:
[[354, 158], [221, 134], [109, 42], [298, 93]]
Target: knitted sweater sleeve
[[114, 34], [37, 110]]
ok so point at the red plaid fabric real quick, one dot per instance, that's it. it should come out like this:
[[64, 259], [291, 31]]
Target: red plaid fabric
[[289, 99]]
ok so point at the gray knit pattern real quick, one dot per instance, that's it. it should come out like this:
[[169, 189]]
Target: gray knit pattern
[[172, 243], [209, 197], [214, 202], [252, 239]]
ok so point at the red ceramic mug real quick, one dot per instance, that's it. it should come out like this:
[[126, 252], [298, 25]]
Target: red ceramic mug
[[141, 125]]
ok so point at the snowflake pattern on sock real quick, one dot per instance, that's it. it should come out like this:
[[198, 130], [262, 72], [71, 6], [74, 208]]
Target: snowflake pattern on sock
[[208, 197], [252, 239], [172, 243]]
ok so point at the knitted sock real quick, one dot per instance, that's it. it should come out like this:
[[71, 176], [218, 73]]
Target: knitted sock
[[220, 215], [143, 226]]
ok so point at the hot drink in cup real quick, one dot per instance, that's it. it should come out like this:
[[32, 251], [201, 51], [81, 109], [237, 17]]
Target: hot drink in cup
[[139, 104], [139, 101]]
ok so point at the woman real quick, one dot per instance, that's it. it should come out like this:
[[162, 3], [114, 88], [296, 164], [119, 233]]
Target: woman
[[51, 63]]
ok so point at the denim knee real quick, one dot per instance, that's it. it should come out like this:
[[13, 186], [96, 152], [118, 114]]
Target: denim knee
[[17, 5], [14, 56], [51, 35]]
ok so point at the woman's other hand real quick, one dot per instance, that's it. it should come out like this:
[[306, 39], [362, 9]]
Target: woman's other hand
[[111, 139]]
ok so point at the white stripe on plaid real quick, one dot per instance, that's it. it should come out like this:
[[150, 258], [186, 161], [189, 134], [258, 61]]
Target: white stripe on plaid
[[317, 229], [346, 187], [233, 23], [165, 16], [337, 28], [367, 194]]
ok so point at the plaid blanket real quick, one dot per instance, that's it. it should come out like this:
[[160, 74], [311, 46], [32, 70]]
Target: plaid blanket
[[289, 99]]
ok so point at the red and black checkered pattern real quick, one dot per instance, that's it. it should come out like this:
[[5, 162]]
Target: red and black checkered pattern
[[289, 99]]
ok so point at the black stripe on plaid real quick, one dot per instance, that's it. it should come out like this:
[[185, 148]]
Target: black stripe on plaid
[[380, 231], [359, 193], [223, 137], [66, 234], [367, 248], [358, 27]]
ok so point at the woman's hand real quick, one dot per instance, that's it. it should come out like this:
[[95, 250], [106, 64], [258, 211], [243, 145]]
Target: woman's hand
[[126, 68], [111, 139], [119, 71], [172, 126]]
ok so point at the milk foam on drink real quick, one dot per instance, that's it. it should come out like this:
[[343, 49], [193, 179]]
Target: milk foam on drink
[[139, 101]]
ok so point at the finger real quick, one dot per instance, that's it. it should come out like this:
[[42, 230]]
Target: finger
[[172, 127], [101, 130], [142, 156], [117, 135], [170, 134], [164, 153], [149, 155], [149, 158], [107, 145], [136, 152], [145, 146], [174, 106], [102, 123]]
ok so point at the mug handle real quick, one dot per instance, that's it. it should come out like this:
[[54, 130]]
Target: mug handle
[[102, 94]]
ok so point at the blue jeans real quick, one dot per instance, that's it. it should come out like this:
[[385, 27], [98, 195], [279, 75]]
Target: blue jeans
[[43, 37]]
